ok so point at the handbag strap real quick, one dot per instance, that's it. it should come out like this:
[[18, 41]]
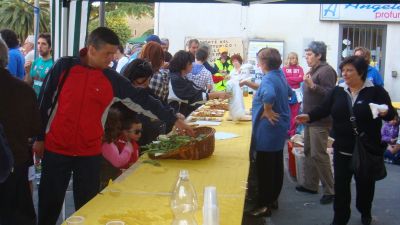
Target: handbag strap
[[352, 117], [60, 86]]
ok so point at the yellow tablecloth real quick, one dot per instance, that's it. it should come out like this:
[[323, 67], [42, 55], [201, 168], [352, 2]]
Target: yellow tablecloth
[[396, 105], [141, 195]]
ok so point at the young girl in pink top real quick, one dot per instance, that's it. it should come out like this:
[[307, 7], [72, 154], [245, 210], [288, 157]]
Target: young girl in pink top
[[294, 76], [120, 149]]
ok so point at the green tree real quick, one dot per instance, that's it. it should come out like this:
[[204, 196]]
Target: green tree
[[120, 26], [17, 15], [137, 10], [116, 14]]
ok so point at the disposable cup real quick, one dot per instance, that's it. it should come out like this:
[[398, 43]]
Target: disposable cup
[[115, 222], [210, 196], [75, 220], [210, 215]]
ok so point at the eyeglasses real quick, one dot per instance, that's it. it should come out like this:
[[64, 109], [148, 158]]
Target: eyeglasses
[[135, 131], [144, 64]]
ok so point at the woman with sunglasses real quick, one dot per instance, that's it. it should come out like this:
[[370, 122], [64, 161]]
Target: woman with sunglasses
[[120, 148], [140, 72]]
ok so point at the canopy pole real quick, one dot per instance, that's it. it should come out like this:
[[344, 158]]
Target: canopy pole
[[64, 28], [102, 14]]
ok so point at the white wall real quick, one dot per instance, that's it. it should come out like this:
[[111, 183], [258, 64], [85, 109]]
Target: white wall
[[392, 61], [296, 25]]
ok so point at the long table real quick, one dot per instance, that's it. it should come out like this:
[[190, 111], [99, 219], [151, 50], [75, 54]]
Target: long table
[[141, 195], [396, 105]]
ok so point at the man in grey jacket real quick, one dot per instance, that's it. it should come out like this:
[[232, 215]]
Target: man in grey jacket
[[318, 82]]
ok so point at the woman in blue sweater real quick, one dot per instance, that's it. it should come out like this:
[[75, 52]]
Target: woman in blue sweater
[[270, 126], [361, 92]]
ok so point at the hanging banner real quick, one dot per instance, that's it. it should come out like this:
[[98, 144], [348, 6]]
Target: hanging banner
[[234, 45], [361, 12]]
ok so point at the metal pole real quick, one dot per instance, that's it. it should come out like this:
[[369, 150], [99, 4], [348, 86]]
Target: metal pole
[[36, 14], [102, 14], [64, 28]]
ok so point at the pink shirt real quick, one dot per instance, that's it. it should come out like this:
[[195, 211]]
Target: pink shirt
[[111, 153], [294, 75]]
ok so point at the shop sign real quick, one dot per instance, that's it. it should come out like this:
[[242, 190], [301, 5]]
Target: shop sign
[[361, 12]]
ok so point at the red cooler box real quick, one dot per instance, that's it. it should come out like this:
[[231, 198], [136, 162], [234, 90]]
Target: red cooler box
[[292, 160]]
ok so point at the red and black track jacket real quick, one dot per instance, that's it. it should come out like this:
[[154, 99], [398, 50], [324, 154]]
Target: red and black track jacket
[[76, 125]]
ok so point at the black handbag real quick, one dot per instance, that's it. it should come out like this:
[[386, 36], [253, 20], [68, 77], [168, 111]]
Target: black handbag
[[367, 160]]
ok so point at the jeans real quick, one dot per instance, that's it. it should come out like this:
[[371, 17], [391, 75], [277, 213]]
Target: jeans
[[56, 173]]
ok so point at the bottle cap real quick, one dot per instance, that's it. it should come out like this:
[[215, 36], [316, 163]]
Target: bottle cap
[[184, 174]]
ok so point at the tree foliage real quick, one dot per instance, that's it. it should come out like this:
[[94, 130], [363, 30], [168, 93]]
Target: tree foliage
[[116, 15], [116, 23], [17, 15], [123, 9]]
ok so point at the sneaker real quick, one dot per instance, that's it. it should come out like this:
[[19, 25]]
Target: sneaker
[[326, 199], [303, 189], [260, 212]]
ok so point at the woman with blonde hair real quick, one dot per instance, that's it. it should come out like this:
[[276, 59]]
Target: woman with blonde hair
[[294, 75]]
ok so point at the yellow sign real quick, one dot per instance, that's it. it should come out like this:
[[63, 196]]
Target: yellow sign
[[234, 45]]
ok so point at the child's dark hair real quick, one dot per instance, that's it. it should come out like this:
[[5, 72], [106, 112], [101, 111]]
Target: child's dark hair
[[112, 128], [138, 68], [128, 121]]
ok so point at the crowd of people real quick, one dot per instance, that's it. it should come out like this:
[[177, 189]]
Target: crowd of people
[[325, 112], [86, 117]]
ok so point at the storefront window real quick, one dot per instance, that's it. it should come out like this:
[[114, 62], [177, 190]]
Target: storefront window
[[368, 36]]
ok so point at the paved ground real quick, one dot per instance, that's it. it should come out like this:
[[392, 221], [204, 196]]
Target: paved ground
[[297, 208]]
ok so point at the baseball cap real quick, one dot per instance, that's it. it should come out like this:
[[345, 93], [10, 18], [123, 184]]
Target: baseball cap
[[154, 38]]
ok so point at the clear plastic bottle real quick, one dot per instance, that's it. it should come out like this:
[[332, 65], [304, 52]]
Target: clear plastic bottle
[[184, 201]]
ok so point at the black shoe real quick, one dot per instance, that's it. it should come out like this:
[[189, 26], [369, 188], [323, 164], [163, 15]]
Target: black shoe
[[274, 205], [326, 199], [366, 220], [303, 189], [261, 212]]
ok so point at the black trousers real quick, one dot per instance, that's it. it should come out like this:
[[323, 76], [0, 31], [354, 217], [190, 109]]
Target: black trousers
[[269, 176], [365, 190], [16, 205], [56, 173], [252, 187]]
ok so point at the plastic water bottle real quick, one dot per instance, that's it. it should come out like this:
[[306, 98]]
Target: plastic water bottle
[[184, 201]]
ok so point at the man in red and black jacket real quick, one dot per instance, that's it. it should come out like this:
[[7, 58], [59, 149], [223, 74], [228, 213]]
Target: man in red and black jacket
[[74, 103]]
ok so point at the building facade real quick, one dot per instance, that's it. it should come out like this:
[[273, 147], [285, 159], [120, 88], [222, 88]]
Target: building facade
[[341, 27]]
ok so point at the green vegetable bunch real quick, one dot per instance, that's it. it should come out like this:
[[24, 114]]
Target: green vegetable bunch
[[169, 143]]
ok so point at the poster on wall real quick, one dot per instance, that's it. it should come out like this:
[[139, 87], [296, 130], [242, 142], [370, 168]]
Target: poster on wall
[[234, 45], [256, 45]]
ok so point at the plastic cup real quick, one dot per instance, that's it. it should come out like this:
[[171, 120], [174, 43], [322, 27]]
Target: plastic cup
[[210, 196], [75, 220], [115, 222], [210, 215]]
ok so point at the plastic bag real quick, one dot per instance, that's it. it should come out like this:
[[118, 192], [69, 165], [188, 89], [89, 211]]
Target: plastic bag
[[236, 104]]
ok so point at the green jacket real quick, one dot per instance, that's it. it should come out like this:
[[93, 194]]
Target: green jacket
[[227, 66]]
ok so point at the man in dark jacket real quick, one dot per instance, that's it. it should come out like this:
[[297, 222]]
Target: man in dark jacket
[[318, 82], [74, 103], [19, 115]]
